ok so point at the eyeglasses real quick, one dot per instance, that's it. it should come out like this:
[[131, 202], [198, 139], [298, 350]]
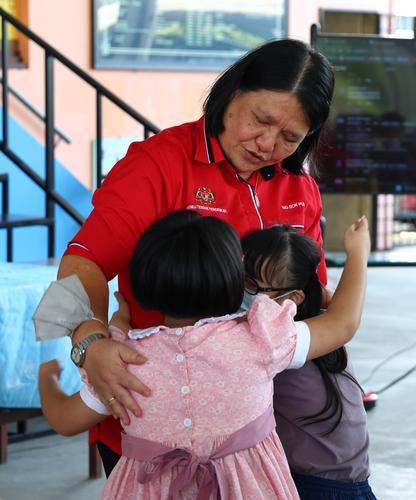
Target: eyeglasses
[[253, 288]]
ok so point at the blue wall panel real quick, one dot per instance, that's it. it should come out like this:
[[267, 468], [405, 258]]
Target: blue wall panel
[[25, 197]]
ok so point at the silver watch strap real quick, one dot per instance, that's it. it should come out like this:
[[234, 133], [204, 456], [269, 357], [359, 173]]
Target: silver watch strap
[[84, 343], [79, 350], [71, 333]]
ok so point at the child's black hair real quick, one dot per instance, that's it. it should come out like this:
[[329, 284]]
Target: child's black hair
[[280, 256], [188, 266], [280, 253]]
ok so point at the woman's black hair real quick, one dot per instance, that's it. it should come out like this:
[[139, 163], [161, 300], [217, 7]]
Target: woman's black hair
[[188, 266], [281, 66], [284, 258]]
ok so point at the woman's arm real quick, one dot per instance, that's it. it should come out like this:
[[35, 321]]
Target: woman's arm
[[67, 415], [95, 284], [106, 360], [338, 325]]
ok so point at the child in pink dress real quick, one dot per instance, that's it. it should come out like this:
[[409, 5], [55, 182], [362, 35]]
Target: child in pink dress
[[207, 431]]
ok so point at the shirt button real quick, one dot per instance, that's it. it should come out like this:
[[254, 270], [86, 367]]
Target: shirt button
[[180, 358], [185, 389], [178, 331], [187, 422]]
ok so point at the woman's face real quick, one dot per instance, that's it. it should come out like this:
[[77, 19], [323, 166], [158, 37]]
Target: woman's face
[[261, 128]]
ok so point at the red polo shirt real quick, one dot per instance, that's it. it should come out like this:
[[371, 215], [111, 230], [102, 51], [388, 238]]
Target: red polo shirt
[[184, 167]]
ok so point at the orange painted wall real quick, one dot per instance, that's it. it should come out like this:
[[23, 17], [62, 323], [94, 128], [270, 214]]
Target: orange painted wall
[[165, 98]]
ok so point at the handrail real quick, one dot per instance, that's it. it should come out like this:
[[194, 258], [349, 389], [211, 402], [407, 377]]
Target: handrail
[[4, 180], [60, 200], [36, 112], [47, 184]]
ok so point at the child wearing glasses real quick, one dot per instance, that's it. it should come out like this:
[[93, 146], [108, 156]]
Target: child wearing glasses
[[319, 412], [207, 430]]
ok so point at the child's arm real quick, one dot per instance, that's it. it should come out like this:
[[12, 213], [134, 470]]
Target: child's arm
[[338, 325], [67, 415]]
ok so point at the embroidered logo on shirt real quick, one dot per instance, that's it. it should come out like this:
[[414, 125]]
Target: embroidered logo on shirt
[[205, 195]]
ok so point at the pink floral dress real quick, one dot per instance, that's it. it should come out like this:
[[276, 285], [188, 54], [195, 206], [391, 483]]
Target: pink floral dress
[[208, 381]]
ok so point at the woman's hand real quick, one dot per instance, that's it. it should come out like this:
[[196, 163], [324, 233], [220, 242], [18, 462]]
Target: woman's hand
[[106, 366], [118, 357]]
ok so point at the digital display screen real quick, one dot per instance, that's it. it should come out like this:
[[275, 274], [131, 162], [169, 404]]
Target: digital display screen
[[370, 145], [197, 35]]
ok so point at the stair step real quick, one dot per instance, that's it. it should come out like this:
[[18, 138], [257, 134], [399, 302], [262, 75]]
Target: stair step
[[10, 221]]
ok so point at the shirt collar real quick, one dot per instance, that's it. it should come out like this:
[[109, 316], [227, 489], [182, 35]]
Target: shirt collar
[[147, 332], [208, 149]]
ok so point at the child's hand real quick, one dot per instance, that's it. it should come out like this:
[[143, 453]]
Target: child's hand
[[121, 318], [50, 369], [357, 237], [123, 307], [327, 295]]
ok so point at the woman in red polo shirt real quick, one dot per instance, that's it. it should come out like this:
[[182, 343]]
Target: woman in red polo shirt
[[242, 162]]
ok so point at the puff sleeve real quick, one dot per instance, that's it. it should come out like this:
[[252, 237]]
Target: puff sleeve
[[282, 342]]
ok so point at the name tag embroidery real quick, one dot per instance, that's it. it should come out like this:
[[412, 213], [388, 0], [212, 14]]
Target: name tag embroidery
[[294, 205]]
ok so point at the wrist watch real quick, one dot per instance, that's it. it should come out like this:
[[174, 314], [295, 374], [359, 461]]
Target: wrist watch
[[79, 350]]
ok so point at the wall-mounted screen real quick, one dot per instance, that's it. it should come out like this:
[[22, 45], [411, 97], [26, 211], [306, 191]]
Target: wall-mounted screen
[[371, 141], [195, 35]]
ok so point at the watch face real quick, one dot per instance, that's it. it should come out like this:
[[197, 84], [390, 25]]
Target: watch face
[[76, 355], [78, 351]]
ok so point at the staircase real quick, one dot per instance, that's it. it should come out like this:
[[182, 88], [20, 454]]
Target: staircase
[[10, 221]]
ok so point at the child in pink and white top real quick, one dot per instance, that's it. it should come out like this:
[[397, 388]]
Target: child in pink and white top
[[207, 431]]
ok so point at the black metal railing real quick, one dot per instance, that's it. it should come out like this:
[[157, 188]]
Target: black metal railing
[[14, 92], [4, 181], [48, 184]]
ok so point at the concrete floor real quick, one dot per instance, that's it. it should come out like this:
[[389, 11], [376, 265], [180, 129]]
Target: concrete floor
[[53, 467]]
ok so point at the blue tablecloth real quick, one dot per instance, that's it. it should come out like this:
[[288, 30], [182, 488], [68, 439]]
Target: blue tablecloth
[[21, 288]]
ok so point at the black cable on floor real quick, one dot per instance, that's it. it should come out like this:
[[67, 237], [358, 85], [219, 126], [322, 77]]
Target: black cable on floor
[[398, 379], [370, 398], [384, 361]]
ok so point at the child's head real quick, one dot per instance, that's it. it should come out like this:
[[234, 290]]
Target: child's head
[[188, 266], [282, 259]]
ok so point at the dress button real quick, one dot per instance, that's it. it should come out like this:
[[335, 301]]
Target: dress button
[[187, 422], [185, 389], [178, 331], [180, 358]]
